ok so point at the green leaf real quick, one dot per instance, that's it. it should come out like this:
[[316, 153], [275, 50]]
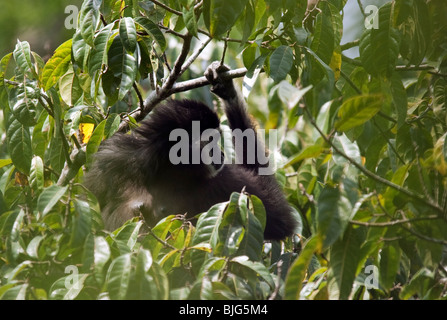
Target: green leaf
[[56, 152], [323, 42], [57, 65], [281, 61], [399, 99], [23, 101], [419, 284], [290, 94], [22, 56], [379, 48], [189, 17], [389, 265], [333, 213], [221, 15], [123, 65], [298, 270], [118, 277], [344, 259], [153, 30], [82, 223], [415, 30], [128, 34], [89, 19], [19, 145], [357, 110], [207, 231], [351, 149], [126, 236], [49, 198], [253, 240], [257, 268], [69, 88], [36, 177], [307, 153], [98, 58]]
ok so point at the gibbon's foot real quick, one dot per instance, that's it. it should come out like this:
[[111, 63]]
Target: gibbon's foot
[[223, 88]]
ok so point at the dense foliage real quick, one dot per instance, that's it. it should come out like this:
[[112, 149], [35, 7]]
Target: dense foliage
[[362, 152]]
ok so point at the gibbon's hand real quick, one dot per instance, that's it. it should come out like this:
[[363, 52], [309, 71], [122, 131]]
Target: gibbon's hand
[[222, 87]]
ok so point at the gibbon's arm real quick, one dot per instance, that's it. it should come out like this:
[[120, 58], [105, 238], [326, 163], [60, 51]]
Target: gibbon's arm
[[237, 115]]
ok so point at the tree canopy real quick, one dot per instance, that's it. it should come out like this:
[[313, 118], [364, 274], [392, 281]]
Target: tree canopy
[[362, 153]]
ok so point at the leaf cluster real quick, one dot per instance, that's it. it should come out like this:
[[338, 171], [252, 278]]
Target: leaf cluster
[[362, 155]]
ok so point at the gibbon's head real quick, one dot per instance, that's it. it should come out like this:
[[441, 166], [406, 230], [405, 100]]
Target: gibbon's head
[[174, 131]]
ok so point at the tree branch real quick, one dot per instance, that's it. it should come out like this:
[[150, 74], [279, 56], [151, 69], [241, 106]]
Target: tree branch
[[372, 175], [166, 7]]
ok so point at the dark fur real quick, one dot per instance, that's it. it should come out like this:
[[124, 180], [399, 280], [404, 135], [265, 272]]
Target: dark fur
[[132, 173]]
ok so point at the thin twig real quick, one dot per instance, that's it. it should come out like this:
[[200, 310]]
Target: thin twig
[[393, 222], [371, 175], [167, 8]]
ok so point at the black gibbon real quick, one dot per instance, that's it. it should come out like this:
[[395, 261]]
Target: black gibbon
[[133, 174]]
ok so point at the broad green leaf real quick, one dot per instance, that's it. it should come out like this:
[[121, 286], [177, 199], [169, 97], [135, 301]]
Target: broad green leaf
[[56, 152], [80, 50], [351, 149], [89, 19], [421, 281], [344, 259], [69, 287], [253, 240], [17, 292], [118, 277], [208, 224], [33, 247], [399, 99], [126, 236], [69, 88], [298, 270], [96, 253], [312, 151], [221, 15], [189, 17], [281, 61], [323, 42], [290, 94], [389, 264], [252, 75], [23, 101], [22, 56], [82, 223], [57, 65], [256, 268], [379, 48], [415, 30], [231, 230], [49, 198], [98, 58], [36, 177], [128, 34], [357, 110], [19, 145], [153, 30], [123, 65], [334, 210], [207, 231]]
